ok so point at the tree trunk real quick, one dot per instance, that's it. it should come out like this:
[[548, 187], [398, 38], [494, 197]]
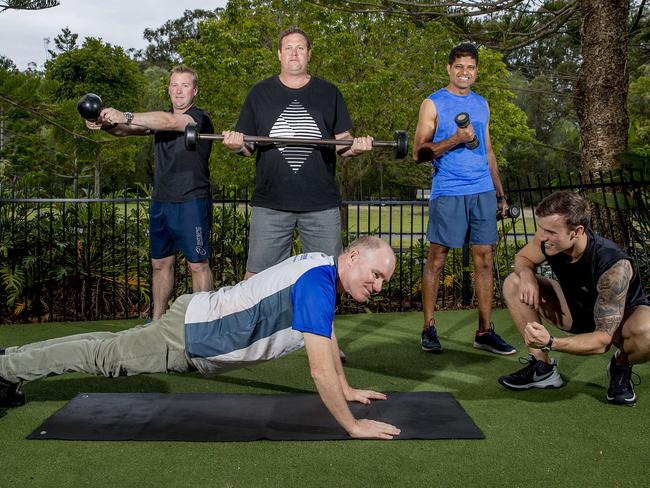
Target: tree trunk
[[601, 93]]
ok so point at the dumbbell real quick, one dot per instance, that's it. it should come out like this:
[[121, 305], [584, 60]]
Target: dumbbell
[[462, 121], [90, 106], [512, 212]]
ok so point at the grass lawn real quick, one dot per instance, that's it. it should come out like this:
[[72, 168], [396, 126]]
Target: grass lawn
[[396, 218], [413, 219], [568, 437]]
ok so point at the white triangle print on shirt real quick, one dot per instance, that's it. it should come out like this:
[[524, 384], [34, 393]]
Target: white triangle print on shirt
[[295, 121]]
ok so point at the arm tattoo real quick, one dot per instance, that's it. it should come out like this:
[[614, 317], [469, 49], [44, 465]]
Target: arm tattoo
[[612, 289]]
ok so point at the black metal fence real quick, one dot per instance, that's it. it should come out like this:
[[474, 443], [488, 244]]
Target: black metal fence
[[75, 257]]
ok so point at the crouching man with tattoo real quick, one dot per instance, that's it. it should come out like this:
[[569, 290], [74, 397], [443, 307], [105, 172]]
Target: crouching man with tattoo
[[598, 296]]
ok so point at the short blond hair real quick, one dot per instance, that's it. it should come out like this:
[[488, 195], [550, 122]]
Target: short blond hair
[[184, 69]]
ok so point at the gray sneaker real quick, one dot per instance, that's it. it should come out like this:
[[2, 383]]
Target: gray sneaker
[[537, 374]]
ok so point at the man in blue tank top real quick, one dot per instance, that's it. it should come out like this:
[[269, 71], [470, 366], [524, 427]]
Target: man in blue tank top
[[597, 296], [465, 192]]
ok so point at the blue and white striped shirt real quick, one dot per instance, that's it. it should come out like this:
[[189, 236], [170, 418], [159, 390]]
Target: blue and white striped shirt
[[262, 318]]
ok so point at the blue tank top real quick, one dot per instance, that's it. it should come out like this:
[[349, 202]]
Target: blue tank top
[[460, 171]]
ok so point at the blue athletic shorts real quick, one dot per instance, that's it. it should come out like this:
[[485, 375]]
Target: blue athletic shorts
[[456, 220], [181, 227]]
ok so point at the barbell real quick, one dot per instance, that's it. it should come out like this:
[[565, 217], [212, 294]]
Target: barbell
[[401, 142], [90, 107]]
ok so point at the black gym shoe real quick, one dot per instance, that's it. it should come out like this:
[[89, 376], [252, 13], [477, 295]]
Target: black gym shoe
[[621, 387], [537, 374], [10, 395], [491, 341], [430, 342]]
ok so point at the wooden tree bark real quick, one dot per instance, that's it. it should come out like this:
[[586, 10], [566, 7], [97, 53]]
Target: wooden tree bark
[[601, 91]]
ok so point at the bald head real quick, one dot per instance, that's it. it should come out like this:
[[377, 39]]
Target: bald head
[[368, 243]]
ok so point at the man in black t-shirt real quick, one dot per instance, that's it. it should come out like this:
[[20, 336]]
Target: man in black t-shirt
[[295, 185], [597, 296], [181, 207]]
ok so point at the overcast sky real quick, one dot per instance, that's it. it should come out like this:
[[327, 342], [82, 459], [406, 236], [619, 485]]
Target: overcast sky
[[118, 22]]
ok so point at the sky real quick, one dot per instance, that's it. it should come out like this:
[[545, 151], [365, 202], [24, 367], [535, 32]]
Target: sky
[[118, 22]]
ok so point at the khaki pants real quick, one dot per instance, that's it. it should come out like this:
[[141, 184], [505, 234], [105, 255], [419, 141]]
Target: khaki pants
[[157, 347]]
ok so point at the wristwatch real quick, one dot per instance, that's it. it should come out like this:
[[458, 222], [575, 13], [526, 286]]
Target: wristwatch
[[129, 117], [548, 345]]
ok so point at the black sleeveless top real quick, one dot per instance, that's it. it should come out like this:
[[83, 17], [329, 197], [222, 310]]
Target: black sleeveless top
[[579, 280]]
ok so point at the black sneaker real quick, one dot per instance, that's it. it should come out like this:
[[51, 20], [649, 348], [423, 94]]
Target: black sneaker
[[537, 374], [430, 342], [491, 341], [10, 395], [621, 387]]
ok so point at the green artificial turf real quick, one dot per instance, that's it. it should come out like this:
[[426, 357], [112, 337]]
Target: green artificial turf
[[568, 437]]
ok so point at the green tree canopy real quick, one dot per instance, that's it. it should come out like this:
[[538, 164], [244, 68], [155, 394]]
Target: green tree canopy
[[639, 109], [26, 150], [163, 42], [384, 65], [106, 70]]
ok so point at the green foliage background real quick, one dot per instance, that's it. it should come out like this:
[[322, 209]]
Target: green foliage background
[[384, 65]]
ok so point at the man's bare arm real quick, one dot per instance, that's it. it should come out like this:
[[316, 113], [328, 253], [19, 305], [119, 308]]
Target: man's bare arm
[[143, 123], [423, 148], [494, 168], [609, 309], [322, 362], [526, 262], [612, 289]]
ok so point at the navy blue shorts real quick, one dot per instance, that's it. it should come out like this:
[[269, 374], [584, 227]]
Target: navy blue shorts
[[456, 220], [181, 227]]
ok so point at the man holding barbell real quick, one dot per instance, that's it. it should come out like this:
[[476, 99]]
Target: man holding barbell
[[464, 193], [180, 215], [294, 184]]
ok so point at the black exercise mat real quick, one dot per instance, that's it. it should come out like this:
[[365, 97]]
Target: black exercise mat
[[246, 417]]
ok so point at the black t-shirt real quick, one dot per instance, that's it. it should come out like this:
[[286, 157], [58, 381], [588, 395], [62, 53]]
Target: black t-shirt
[[295, 178], [182, 175], [579, 280]]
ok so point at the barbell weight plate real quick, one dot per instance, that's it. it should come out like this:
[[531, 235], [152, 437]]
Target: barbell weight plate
[[401, 144], [89, 106], [514, 211], [462, 119], [191, 134]]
